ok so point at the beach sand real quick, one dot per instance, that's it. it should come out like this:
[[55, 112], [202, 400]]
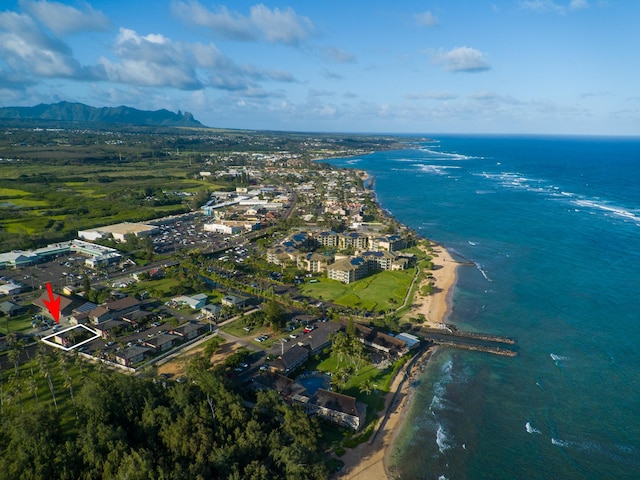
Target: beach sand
[[437, 306], [369, 460]]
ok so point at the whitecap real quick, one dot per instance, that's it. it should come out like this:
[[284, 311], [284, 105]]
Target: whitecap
[[436, 403], [530, 428], [557, 358], [442, 439], [448, 155], [560, 443]]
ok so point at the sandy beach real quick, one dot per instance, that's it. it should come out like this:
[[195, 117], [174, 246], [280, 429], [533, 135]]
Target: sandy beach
[[369, 460]]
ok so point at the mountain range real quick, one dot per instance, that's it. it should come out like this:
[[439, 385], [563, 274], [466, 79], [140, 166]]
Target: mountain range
[[80, 113]]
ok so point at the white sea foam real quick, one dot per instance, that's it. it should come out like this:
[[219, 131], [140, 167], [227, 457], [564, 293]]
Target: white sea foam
[[557, 358], [560, 443], [609, 209], [530, 428], [448, 155], [436, 169], [442, 439], [484, 274], [517, 180], [442, 477], [436, 403]]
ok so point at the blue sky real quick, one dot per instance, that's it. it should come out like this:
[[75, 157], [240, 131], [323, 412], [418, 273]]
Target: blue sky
[[448, 66]]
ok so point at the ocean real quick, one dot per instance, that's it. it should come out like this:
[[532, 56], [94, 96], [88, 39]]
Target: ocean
[[550, 228]]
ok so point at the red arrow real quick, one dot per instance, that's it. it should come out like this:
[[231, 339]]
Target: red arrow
[[53, 304]]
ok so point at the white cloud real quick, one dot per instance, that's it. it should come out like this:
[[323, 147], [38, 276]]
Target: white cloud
[[431, 96], [273, 25], [337, 55], [63, 19], [155, 60], [462, 59], [426, 19], [27, 50], [578, 4], [549, 6], [330, 75]]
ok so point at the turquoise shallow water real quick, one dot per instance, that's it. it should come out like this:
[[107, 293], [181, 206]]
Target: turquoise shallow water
[[552, 225]]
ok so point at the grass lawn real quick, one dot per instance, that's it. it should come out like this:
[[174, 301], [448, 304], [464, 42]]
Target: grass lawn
[[19, 323], [30, 375], [379, 378], [12, 192], [382, 291], [163, 286]]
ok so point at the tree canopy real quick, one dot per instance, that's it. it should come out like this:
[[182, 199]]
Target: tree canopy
[[131, 428]]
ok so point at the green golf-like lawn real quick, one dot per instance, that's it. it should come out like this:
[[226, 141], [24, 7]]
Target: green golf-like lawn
[[382, 291]]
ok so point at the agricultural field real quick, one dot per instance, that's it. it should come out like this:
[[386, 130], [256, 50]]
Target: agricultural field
[[44, 203]]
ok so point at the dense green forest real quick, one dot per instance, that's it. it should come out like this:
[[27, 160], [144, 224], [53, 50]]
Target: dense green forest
[[122, 427]]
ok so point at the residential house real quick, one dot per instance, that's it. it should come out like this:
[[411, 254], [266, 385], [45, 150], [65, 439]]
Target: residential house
[[10, 308], [292, 358], [320, 337], [67, 304], [111, 328], [194, 302], [285, 386], [10, 289], [234, 301], [114, 310], [211, 311], [161, 342], [337, 408], [188, 331], [131, 355]]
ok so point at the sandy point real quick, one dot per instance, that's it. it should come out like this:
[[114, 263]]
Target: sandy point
[[434, 308]]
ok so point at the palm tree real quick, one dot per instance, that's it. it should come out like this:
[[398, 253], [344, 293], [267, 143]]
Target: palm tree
[[33, 386], [366, 386]]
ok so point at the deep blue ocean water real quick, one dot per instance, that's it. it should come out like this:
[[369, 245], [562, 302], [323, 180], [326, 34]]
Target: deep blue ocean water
[[552, 225]]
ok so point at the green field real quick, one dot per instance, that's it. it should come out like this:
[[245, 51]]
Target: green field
[[382, 291]]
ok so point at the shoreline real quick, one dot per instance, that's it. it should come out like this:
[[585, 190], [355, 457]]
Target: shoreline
[[370, 460]]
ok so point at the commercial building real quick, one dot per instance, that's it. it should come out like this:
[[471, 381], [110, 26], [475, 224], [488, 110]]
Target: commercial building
[[119, 231]]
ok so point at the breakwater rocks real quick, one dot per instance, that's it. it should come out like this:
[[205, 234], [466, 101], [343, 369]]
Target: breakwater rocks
[[450, 336], [477, 348], [452, 330]]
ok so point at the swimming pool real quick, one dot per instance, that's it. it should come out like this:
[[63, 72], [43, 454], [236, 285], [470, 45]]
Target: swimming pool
[[313, 382]]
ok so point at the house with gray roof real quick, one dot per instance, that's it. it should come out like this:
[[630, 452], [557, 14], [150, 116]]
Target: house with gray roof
[[337, 408], [131, 355]]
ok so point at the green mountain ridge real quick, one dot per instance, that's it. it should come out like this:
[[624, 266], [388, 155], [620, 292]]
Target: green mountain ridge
[[81, 113]]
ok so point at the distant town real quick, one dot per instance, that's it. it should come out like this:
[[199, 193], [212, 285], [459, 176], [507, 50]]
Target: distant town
[[258, 269]]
